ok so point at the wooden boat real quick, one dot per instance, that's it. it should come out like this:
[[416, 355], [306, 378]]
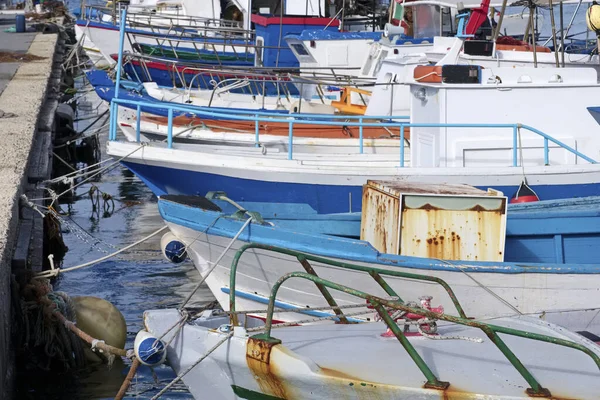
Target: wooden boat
[[435, 356]]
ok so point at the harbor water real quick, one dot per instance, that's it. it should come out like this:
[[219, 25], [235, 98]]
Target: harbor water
[[135, 281]]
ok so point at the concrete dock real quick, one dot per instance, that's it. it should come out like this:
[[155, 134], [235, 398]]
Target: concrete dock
[[29, 93]]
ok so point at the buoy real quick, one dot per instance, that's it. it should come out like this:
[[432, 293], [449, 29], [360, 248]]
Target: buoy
[[149, 349], [101, 320], [172, 248], [524, 194], [592, 17]]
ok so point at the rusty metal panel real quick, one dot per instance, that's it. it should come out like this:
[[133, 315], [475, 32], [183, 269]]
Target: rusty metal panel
[[379, 219], [453, 227], [451, 222]]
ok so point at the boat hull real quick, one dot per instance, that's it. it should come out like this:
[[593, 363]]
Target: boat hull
[[565, 294], [322, 362], [328, 185]]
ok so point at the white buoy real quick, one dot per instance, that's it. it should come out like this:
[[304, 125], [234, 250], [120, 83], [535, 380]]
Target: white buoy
[[149, 349], [172, 248]]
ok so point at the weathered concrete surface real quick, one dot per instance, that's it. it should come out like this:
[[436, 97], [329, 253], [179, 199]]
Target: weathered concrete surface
[[24, 96], [11, 42]]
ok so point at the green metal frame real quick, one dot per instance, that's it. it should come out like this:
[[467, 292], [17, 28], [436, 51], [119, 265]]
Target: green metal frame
[[303, 258], [490, 330], [380, 304]]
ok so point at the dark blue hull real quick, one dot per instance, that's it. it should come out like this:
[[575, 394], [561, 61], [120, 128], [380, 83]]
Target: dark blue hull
[[323, 198]]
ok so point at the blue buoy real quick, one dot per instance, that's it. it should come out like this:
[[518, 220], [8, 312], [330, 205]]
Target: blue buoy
[[149, 349], [173, 249], [20, 23]]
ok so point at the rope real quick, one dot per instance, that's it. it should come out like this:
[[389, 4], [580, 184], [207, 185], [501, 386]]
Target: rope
[[440, 337], [296, 309], [237, 235], [94, 343], [127, 382], [184, 373], [107, 168], [490, 291], [521, 154], [55, 271], [307, 321]]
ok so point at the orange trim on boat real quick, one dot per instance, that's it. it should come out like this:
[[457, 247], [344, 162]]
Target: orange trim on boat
[[522, 47], [428, 73], [322, 131]]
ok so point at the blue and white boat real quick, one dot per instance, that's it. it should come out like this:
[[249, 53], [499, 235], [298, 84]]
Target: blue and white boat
[[484, 148], [562, 290]]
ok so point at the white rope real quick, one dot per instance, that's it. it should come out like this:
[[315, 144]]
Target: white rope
[[237, 235], [490, 291], [56, 271], [107, 168], [32, 205], [440, 337], [77, 173], [184, 373]]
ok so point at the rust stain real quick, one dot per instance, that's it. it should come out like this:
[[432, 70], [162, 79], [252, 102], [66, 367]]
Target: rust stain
[[258, 355]]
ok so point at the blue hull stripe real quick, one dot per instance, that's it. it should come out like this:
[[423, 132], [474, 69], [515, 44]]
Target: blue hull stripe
[[325, 199]]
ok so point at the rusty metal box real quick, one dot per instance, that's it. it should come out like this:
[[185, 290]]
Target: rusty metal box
[[450, 222]]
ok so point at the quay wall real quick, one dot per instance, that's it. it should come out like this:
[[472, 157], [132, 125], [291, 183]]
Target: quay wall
[[28, 104]]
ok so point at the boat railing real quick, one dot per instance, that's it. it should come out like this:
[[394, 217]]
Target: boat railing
[[285, 82], [96, 12], [197, 48], [305, 259], [391, 124], [384, 307], [321, 75], [196, 31]]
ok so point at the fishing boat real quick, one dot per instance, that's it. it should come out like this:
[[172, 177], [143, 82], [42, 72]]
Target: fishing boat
[[100, 27], [322, 137], [436, 355], [221, 238], [481, 148]]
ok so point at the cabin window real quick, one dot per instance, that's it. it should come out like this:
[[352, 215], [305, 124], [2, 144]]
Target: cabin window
[[300, 49], [426, 21]]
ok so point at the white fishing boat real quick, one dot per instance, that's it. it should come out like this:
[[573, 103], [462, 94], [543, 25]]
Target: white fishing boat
[[483, 148], [435, 356]]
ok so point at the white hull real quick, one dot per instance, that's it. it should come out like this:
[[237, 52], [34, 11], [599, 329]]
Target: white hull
[[223, 98], [351, 169], [570, 300], [323, 362]]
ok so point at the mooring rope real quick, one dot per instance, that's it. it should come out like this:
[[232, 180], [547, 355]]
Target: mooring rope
[[216, 263], [184, 373], [56, 271]]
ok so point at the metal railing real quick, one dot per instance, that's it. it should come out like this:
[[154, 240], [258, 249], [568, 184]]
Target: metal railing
[[96, 13], [303, 119], [360, 122], [383, 306]]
